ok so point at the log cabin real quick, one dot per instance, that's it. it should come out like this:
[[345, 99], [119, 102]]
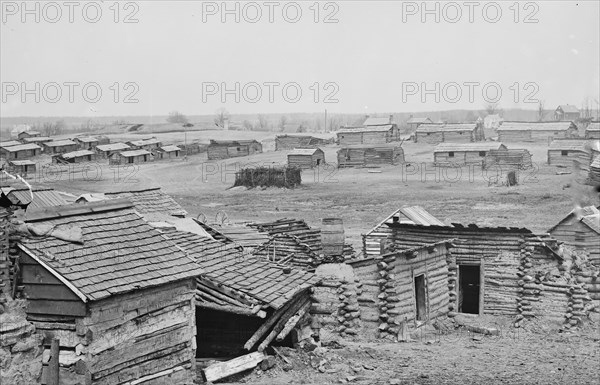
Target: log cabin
[[149, 144], [375, 240], [167, 152], [117, 294], [59, 146], [105, 151], [131, 157], [79, 156], [290, 142], [508, 159], [449, 154], [306, 158], [368, 135], [565, 151], [451, 132], [20, 151], [28, 134], [370, 155], [580, 229], [592, 131], [22, 167], [39, 140], [87, 142], [223, 149], [541, 132], [245, 303]]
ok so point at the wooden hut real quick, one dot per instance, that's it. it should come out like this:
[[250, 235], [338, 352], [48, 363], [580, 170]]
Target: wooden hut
[[79, 156], [403, 286], [106, 150], [368, 135], [375, 240], [223, 149], [131, 157], [592, 131], [87, 142], [536, 131], [306, 158], [9, 143], [60, 146], [290, 142], [593, 177], [581, 229], [566, 112], [39, 140], [20, 151], [22, 167], [122, 314], [28, 134], [508, 159], [448, 154], [369, 155], [413, 123], [564, 152], [455, 132], [167, 152], [145, 144]]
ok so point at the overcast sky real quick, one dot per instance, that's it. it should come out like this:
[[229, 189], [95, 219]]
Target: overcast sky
[[372, 56]]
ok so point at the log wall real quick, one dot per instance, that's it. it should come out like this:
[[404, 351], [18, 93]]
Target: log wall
[[576, 234]]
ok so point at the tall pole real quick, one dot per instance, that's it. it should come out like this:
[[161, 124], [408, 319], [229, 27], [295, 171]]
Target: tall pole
[[325, 120]]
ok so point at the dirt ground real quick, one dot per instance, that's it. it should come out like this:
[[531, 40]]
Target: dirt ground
[[534, 355]]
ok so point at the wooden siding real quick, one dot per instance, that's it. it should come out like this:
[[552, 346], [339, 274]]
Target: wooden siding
[[19, 155], [514, 136], [566, 157], [459, 158], [218, 151], [576, 234], [306, 161], [429, 137], [358, 157]]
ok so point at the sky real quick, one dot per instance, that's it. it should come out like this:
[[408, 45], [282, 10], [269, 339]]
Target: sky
[[109, 58]]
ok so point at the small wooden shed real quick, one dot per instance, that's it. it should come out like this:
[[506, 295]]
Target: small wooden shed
[[87, 142], [79, 156], [167, 152], [290, 142], [447, 154], [22, 167], [20, 151], [145, 144], [28, 134], [368, 135], [306, 158], [60, 146], [370, 155], [592, 131], [131, 157], [449, 132], [106, 150], [564, 152], [91, 283], [581, 230], [223, 149]]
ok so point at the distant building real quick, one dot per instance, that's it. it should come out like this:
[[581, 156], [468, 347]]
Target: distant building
[[592, 131], [536, 131], [564, 152], [414, 123], [131, 157], [39, 140], [79, 156], [60, 146], [368, 135], [21, 151], [28, 134], [464, 153], [167, 152], [22, 167], [364, 155], [145, 144], [566, 112], [581, 229], [87, 142], [223, 149], [452, 132], [289, 142], [18, 128], [306, 158], [106, 150]]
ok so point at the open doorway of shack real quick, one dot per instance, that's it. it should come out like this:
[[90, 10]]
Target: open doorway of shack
[[469, 288], [420, 296]]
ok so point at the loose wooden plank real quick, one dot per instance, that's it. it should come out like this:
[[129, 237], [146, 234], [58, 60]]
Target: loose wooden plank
[[291, 323], [237, 365], [282, 322]]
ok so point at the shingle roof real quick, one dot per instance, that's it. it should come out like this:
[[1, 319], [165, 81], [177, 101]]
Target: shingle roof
[[535, 126], [475, 146], [590, 216], [120, 251], [377, 121], [60, 143], [365, 129], [112, 147], [593, 126], [152, 200], [35, 139], [22, 147], [261, 280], [446, 127], [568, 145], [75, 154]]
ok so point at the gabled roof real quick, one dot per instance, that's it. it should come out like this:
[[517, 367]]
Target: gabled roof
[[87, 139], [593, 126], [475, 146], [76, 154], [304, 151], [365, 129], [568, 144], [589, 216], [42, 196], [150, 200], [446, 127], [372, 121], [35, 139], [134, 153], [22, 147], [112, 147], [60, 143], [535, 126], [144, 142], [120, 251], [419, 121], [169, 148], [263, 282], [567, 108], [10, 143], [30, 132], [413, 215], [233, 142]]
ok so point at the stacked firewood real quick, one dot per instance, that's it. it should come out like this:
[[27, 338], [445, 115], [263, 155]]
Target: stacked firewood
[[388, 299], [348, 309]]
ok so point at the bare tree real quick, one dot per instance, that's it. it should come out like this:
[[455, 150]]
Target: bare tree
[[221, 116], [248, 126], [263, 123], [540, 110], [177, 117], [282, 122], [492, 108]]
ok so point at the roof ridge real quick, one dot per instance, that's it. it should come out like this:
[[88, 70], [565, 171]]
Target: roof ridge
[[74, 209]]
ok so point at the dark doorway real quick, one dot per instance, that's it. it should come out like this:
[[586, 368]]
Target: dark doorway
[[469, 289], [420, 297]]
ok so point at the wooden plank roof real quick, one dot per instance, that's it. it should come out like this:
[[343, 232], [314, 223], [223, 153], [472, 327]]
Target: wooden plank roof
[[60, 143], [568, 144], [446, 127], [22, 147], [304, 151], [128, 154], [77, 154], [365, 129], [466, 147], [416, 215], [150, 200], [120, 251], [42, 197], [10, 143], [535, 126], [593, 126], [112, 147]]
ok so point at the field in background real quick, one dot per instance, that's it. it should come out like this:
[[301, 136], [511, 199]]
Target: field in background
[[361, 197]]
